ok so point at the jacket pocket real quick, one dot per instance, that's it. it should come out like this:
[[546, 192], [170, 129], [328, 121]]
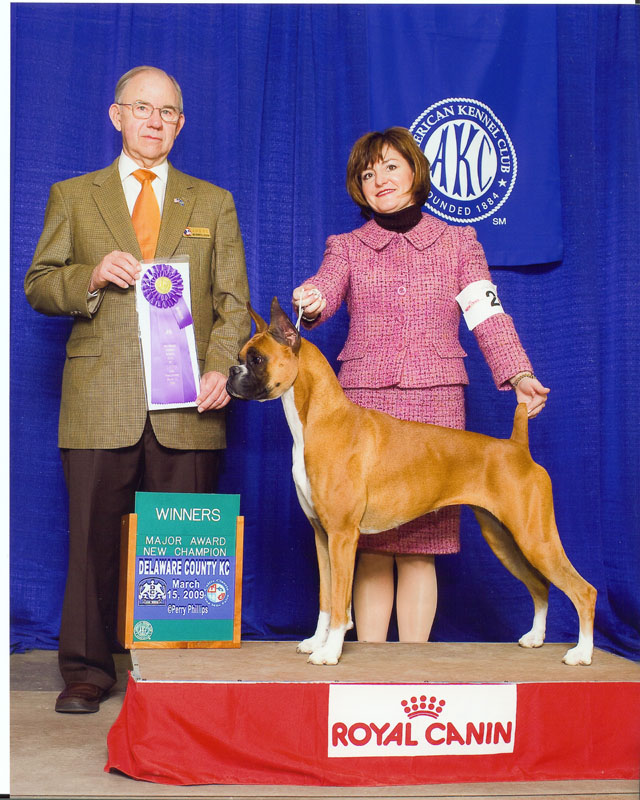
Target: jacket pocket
[[449, 348], [350, 352], [84, 346]]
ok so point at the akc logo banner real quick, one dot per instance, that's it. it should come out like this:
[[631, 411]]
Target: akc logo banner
[[421, 720], [477, 87]]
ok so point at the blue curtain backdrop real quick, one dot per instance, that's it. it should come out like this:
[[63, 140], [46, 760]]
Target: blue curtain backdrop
[[275, 95]]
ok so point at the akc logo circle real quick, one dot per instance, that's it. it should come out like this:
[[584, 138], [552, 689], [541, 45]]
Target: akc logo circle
[[217, 593], [473, 162]]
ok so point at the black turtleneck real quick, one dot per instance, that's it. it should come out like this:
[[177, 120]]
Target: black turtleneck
[[399, 221]]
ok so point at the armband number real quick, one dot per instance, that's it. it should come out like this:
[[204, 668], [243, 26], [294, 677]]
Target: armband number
[[479, 301]]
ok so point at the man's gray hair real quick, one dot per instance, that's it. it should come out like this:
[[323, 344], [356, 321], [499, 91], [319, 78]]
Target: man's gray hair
[[124, 80]]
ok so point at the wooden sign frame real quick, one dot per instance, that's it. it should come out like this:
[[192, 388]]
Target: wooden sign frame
[[128, 585]]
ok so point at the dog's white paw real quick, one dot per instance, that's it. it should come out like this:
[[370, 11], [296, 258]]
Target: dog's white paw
[[309, 645], [331, 650], [580, 654], [532, 639], [535, 637], [318, 639], [325, 655]]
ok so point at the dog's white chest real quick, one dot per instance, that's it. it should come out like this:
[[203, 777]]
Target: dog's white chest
[[300, 479]]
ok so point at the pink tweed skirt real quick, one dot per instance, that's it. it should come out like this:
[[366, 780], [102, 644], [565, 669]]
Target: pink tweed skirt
[[438, 532]]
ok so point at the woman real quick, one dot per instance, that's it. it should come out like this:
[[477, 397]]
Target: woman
[[401, 274]]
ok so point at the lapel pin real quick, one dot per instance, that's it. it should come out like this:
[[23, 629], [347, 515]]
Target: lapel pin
[[178, 200]]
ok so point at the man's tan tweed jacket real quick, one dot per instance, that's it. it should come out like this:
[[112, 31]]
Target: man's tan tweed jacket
[[103, 399]]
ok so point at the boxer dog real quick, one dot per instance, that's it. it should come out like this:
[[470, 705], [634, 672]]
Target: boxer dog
[[360, 471]]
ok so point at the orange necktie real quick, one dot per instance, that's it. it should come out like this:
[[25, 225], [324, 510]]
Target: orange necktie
[[146, 214]]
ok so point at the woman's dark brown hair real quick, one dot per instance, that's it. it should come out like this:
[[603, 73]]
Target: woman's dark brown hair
[[369, 149]]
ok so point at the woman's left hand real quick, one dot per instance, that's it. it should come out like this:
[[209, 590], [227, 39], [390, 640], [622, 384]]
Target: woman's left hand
[[533, 393]]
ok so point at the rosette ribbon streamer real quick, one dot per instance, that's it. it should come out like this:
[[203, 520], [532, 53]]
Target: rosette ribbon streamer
[[172, 379]]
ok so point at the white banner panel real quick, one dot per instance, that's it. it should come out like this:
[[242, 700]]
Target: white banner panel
[[421, 720]]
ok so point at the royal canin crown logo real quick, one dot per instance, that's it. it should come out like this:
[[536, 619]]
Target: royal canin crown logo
[[421, 707]]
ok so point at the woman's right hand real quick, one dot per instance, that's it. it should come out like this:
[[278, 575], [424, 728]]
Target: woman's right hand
[[310, 299]]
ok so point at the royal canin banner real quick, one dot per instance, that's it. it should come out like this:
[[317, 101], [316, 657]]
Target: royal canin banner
[[478, 90], [435, 720]]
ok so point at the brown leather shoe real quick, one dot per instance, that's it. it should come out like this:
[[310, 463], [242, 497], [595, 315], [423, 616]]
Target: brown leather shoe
[[80, 698]]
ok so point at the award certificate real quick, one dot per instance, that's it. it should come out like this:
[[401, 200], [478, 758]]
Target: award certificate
[[169, 356]]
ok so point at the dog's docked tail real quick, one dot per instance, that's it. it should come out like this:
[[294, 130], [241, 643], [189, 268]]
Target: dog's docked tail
[[520, 432]]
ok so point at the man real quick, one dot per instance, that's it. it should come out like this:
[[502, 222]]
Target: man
[[97, 228]]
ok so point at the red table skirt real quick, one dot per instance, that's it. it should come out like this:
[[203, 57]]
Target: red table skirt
[[279, 733]]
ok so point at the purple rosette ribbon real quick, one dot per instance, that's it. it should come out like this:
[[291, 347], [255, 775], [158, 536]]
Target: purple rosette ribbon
[[172, 379]]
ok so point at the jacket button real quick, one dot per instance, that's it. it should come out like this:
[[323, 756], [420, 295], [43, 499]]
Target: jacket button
[[402, 290]]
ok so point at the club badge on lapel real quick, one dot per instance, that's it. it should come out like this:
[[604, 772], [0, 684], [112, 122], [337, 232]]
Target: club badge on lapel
[[197, 233]]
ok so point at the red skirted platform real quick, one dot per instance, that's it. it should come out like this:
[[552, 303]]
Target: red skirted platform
[[386, 715]]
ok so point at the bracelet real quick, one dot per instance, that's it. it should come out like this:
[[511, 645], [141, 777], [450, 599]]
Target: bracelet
[[520, 377]]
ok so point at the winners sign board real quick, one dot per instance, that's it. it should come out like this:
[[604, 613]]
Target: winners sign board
[[181, 571]]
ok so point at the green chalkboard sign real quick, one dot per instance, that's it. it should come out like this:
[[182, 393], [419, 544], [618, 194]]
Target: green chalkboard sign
[[181, 571]]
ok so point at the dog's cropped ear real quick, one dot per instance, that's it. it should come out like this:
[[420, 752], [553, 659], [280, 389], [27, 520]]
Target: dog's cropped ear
[[260, 324], [281, 327]]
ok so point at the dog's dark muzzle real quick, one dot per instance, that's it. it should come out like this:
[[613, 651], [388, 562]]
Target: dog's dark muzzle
[[234, 382], [244, 385]]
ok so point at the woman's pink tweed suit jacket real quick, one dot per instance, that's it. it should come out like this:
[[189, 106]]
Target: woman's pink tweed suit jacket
[[402, 354], [400, 290]]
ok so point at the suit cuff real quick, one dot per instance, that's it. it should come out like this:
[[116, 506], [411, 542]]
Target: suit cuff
[[94, 299]]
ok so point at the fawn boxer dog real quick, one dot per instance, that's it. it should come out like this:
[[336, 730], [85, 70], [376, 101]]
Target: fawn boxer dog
[[360, 471]]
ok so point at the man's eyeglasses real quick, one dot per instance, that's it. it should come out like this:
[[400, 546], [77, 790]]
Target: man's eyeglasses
[[145, 110]]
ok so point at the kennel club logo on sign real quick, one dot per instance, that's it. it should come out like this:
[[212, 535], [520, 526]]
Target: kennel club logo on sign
[[152, 592], [422, 720], [473, 162]]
